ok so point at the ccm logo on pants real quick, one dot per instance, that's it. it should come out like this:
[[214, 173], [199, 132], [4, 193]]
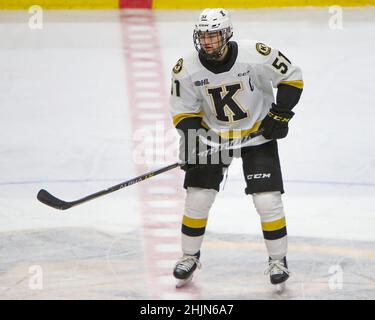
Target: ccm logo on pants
[[258, 176]]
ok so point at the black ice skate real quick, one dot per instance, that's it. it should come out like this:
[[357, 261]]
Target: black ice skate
[[279, 273], [185, 267]]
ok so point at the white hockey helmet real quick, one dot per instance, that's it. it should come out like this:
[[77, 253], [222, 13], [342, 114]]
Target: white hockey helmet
[[213, 20]]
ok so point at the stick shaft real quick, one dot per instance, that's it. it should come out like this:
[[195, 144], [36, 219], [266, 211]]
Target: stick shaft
[[126, 183], [50, 200]]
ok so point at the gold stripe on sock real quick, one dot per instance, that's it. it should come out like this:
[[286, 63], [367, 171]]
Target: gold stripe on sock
[[274, 225], [194, 223]]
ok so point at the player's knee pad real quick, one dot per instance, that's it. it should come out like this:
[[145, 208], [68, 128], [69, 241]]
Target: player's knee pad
[[199, 201], [269, 205], [197, 205]]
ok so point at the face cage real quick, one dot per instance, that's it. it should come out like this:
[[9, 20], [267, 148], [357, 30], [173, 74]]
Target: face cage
[[226, 34]]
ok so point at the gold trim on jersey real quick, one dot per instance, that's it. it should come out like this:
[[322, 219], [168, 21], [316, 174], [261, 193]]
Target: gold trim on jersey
[[274, 225], [294, 83], [235, 134], [181, 116], [194, 223]]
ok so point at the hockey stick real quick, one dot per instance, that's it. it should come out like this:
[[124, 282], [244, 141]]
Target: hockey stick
[[45, 197], [48, 199]]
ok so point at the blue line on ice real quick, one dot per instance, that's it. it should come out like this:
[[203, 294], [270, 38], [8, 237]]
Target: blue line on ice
[[6, 183]]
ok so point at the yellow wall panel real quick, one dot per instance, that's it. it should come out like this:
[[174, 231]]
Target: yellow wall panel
[[198, 4], [178, 4], [60, 4]]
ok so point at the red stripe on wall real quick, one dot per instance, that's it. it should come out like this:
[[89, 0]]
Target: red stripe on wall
[[142, 4]]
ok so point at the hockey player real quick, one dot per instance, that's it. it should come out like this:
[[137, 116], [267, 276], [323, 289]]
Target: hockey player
[[227, 88]]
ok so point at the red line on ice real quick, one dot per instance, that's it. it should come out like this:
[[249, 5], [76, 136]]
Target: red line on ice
[[161, 280]]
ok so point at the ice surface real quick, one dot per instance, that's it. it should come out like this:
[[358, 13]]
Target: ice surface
[[65, 126]]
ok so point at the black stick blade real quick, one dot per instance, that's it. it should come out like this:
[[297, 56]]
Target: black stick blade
[[48, 199]]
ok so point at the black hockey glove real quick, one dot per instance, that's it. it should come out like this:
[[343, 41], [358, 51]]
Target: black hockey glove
[[275, 124], [198, 142], [189, 144], [189, 130]]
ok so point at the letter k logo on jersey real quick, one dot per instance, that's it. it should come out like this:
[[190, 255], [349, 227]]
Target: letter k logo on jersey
[[226, 107]]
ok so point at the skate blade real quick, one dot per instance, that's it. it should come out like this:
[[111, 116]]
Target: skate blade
[[184, 282], [280, 288]]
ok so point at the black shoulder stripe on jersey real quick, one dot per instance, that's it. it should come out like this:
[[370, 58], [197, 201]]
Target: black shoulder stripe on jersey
[[222, 66], [287, 96]]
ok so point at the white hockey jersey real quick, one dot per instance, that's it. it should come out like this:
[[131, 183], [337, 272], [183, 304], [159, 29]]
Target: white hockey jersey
[[232, 99]]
